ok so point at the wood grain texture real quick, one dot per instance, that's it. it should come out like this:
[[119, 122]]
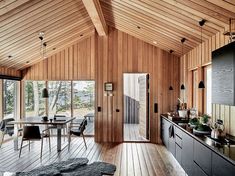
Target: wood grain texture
[[120, 53], [139, 159], [9, 72], [72, 63]]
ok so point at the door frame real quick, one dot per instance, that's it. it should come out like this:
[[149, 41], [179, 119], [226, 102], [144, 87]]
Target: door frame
[[147, 110]]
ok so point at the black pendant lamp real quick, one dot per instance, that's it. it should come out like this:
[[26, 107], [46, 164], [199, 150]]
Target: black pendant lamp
[[171, 88], [201, 84], [182, 87], [45, 93]]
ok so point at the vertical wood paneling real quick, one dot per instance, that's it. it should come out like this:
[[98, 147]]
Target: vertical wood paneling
[[9, 72], [223, 112], [75, 62], [119, 53]]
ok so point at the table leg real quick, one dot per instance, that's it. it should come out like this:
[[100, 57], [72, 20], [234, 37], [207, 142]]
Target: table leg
[[59, 138], [15, 137]]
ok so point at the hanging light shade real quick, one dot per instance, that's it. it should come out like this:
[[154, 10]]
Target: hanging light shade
[[170, 88], [45, 93], [182, 87], [201, 84]]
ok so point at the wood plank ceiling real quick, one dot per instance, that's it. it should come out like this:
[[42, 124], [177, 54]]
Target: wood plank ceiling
[[63, 22], [166, 22], [159, 22]]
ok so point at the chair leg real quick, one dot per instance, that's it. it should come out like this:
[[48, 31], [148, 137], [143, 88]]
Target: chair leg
[[84, 140], [69, 140], [21, 147], [2, 139], [49, 141], [41, 147]]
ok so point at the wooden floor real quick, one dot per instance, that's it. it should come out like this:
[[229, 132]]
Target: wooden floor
[[131, 159], [131, 133]]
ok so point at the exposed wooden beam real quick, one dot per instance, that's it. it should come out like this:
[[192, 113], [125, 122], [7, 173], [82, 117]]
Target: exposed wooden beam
[[6, 6], [95, 12]]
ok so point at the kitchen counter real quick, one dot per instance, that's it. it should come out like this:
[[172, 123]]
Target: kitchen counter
[[224, 151]]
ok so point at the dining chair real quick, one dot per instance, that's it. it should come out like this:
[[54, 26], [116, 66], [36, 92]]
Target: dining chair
[[77, 129], [58, 117], [7, 128], [32, 133]]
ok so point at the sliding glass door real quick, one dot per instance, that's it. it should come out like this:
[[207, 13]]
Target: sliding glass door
[[9, 98]]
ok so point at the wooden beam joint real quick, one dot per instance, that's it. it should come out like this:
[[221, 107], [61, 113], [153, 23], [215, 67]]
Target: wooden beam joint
[[95, 12]]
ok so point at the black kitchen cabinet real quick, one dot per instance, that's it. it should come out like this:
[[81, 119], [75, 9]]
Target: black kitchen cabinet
[[195, 157], [187, 154], [223, 74], [202, 156], [220, 166], [198, 171], [178, 153]]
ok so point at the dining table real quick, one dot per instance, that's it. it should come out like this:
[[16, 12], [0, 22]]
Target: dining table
[[58, 123]]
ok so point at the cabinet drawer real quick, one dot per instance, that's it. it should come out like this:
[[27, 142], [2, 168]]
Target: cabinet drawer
[[178, 141], [198, 171], [178, 153], [220, 166], [202, 156], [178, 132]]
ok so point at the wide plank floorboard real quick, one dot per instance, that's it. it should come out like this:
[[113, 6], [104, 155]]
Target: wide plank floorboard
[[131, 159]]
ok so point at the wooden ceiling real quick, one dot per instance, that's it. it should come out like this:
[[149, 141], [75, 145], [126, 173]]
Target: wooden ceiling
[[63, 22], [168, 21], [159, 22]]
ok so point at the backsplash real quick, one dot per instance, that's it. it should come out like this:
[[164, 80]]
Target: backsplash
[[227, 114]]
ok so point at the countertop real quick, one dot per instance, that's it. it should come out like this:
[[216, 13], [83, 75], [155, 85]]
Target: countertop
[[223, 150]]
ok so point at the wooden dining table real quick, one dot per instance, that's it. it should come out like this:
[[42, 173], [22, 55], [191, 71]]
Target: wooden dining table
[[38, 121]]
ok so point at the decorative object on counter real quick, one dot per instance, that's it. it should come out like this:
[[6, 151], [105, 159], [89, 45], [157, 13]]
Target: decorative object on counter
[[218, 130], [194, 122], [205, 119], [183, 113], [201, 130], [193, 113], [203, 125]]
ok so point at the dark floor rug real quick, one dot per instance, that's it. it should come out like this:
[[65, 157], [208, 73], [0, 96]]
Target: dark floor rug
[[72, 167]]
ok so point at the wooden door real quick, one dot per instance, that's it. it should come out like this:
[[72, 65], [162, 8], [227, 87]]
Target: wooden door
[[144, 106]]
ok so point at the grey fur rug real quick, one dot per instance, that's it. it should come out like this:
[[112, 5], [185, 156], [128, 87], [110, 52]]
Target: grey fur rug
[[72, 167]]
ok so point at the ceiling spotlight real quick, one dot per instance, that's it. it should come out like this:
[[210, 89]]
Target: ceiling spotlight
[[10, 56], [154, 42], [27, 62], [138, 27], [171, 51], [53, 48], [81, 35]]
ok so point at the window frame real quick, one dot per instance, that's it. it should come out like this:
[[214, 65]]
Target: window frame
[[206, 88]]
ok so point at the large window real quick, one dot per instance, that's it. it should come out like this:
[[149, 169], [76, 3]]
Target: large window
[[83, 97], [59, 98], [9, 98], [34, 103], [208, 91]]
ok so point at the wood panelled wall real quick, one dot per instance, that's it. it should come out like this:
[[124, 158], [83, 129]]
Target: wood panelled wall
[[9, 72], [105, 59], [192, 61], [120, 53], [75, 62]]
